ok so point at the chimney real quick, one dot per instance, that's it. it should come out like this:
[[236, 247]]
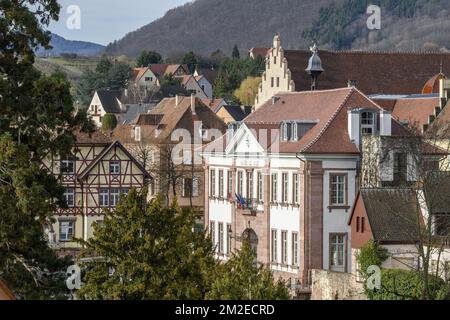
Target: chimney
[[385, 123], [193, 103], [177, 100], [353, 126], [351, 83]]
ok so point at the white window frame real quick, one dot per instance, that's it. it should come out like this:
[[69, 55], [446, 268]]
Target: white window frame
[[66, 225], [70, 192], [114, 167], [103, 195], [114, 197]]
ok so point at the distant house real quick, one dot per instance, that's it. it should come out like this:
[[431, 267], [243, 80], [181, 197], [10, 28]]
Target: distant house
[[120, 103], [103, 102], [5, 292], [145, 79], [204, 84], [233, 114], [189, 82], [160, 70], [258, 52]]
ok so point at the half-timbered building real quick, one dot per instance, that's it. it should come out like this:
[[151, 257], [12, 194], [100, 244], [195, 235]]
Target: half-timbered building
[[94, 177]]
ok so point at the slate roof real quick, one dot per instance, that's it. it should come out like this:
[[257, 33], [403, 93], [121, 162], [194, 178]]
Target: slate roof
[[374, 72], [393, 214], [110, 100], [135, 109], [237, 112]]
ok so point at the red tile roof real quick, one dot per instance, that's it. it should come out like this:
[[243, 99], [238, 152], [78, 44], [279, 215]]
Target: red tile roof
[[416, 111], [138, 73], [328, 109], [259, 52], [374, 72], [96, 137], [161, 69], [213, 104]]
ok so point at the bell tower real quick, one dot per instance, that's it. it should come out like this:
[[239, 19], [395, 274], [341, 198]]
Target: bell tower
[[314, 68]]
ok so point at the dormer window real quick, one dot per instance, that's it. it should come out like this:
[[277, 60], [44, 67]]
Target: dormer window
[[367, 123], [285, 131], [295, 130]]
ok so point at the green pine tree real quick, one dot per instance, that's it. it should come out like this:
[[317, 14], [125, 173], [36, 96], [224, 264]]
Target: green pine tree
[[148, 57], [109, 122], [241, 279], [147, 251], [236, 54]]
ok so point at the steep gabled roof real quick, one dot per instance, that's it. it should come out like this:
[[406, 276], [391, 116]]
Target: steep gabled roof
[[374, 72], [138, 73], [105, 152], [214, 104], [110, 100], [162, 69], [394, 214]]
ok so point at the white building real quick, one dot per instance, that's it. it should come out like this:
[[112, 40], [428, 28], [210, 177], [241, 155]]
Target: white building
[[286, 178]]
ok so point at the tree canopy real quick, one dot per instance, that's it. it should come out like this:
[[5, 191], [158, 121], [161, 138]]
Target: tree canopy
[[37, 119], [107, 75], [148, 251], [248, 90], [241, 279], [148, 57]]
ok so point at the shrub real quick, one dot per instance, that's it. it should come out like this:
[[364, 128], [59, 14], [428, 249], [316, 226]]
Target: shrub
[[109, 122]]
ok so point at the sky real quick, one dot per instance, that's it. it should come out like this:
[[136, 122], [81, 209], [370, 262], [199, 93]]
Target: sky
[[103, 21]]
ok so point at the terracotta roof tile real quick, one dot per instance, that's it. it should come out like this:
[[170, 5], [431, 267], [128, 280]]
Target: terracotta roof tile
[[374, 72], [96, 137]]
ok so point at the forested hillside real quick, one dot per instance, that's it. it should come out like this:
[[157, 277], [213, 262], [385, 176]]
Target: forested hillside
[[204, 26]]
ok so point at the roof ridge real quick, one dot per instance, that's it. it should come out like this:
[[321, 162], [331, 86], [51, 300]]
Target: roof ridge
[[327, 124], [372, 52]]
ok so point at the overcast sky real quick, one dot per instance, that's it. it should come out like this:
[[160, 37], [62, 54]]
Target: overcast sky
[[103, 21]]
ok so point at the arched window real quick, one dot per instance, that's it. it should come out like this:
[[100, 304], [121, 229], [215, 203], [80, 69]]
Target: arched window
[[367, 123]]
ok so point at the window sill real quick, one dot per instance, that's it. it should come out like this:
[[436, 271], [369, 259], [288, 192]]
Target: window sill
[[339, 207]]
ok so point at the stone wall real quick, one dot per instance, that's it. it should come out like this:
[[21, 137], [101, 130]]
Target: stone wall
[[329, 285]]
